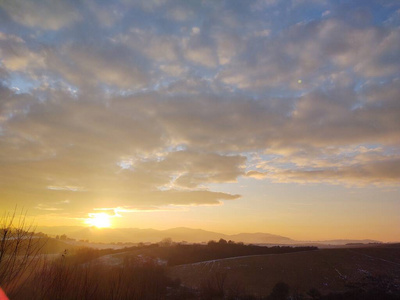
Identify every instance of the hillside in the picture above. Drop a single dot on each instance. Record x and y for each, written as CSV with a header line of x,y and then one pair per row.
x,y
327,269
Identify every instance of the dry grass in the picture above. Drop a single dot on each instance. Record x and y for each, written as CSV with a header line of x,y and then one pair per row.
x,y
71,278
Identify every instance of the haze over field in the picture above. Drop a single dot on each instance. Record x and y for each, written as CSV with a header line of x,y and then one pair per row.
x,y
231,116
179,235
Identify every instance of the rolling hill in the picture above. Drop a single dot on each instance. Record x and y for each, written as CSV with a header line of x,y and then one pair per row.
x,y
179,234
327,269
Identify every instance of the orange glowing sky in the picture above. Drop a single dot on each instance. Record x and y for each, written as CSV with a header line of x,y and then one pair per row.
x,y
232,116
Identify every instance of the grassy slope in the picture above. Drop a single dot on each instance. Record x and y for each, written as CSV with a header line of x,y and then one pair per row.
x,y
327,269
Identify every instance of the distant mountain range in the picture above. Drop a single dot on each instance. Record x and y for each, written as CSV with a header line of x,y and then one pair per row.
x,y
180,234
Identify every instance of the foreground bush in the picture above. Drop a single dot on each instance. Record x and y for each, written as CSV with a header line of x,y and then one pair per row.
x,y
64,278
19,248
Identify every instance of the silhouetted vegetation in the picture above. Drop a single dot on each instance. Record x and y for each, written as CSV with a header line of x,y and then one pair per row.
x,y
280,291
69,278
19,247
141,272
185,254
87,274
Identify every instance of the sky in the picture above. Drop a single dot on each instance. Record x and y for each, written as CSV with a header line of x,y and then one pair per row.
x,y
278,116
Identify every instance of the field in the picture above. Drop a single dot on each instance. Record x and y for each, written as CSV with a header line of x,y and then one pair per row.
x,y
217,270
327,270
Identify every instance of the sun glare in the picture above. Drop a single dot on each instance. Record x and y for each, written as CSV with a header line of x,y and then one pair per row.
x,y
100,220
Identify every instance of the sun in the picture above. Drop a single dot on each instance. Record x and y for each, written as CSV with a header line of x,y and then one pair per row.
x,y
99,220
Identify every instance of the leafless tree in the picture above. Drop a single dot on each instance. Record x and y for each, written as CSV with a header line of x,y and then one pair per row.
x,y
19,247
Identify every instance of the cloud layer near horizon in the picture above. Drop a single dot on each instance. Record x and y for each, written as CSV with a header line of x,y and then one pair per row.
x,y
142,105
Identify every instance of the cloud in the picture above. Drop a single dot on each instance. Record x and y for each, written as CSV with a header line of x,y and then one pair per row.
x,y
150,104
198,50
87,65
155,47
179,14
383,173
107,15
228,46
16,55
256,175
194,169
73,149
305,49
43,14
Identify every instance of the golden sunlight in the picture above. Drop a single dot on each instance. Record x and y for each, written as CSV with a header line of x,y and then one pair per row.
x,y
99,220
